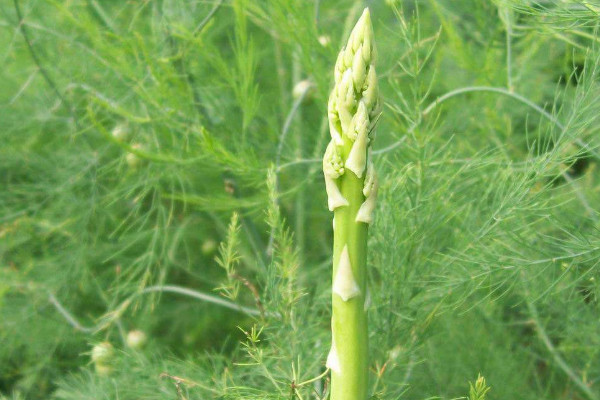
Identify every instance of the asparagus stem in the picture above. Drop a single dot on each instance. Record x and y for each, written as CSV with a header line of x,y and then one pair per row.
x,y
351,184
349,322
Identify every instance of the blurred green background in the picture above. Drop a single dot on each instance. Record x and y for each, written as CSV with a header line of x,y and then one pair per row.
x,y
151,147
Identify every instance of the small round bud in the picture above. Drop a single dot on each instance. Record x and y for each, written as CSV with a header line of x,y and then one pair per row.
x,y
103,353
208,247
394,353
324,40
229,186
103,370
133,160
302,88
120,132
136,339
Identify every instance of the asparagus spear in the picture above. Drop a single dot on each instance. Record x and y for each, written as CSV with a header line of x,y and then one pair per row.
x,y
351,183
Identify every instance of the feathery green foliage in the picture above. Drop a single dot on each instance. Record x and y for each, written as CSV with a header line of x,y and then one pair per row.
x,y
479,389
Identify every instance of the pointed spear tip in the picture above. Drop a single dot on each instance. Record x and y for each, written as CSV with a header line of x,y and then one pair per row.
x,y
365,18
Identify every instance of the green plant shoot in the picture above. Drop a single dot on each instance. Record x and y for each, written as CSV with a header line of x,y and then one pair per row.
x,y
354,108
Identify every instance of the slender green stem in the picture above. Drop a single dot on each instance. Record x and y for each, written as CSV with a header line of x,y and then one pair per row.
x,y
515,96
151,289
204,297
508,24
68,316
101,15
23,29
562,364
316,378
349,318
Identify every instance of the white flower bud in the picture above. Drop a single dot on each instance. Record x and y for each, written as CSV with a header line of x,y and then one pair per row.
x,y
120,132
136,339
301,89
324,40
103,353
132,159
209,247
102,356
395,352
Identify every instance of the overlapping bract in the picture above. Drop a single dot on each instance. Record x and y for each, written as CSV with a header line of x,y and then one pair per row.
x,y
353,110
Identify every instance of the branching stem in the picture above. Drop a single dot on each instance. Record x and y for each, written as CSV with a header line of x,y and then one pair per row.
x,y
562,364
516,96
165,288
204,297
69,317
23,29
316,378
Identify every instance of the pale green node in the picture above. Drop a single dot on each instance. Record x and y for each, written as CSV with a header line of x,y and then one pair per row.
x,y
367,208
344,284
333,360
335,198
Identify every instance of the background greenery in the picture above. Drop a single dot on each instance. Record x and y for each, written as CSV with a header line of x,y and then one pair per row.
x,y
136,136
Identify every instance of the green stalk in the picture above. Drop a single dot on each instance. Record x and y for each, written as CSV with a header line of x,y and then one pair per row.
x,y
351,184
